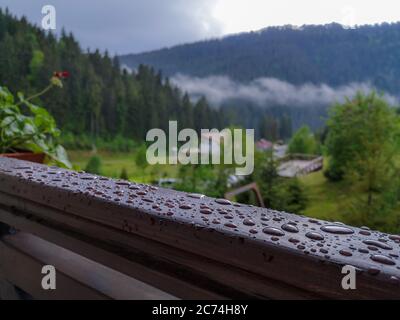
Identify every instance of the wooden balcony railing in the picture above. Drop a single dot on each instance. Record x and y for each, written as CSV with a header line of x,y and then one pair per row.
x,y
120,240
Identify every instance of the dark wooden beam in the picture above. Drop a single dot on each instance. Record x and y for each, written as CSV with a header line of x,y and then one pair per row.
x,y
77,277
193,246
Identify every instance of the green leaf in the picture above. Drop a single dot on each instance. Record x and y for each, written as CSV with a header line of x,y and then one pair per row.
x,y
35,132
61,157
6,96
20,96
6,121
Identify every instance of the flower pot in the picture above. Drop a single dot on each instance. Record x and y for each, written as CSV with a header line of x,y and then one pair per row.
x,y
27,156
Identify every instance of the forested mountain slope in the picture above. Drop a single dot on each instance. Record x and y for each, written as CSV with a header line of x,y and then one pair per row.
x,y
327,54
98,99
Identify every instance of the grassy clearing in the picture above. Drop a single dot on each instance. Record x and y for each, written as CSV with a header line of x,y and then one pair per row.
x,y
332,201
326,199
113,163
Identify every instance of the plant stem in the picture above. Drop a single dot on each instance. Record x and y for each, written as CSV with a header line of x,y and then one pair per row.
x,y
37,94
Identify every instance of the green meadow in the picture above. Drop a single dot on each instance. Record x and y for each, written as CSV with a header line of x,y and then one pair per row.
x,y
114,162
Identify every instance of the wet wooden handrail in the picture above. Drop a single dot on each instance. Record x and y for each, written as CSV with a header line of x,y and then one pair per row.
x,y
190,246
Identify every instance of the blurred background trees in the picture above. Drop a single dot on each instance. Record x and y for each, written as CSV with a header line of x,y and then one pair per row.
x,y
363,145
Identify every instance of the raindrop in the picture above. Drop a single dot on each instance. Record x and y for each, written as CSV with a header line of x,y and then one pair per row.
x,y
314,236
345,253
57,172
223,201
382,259
249,222
195,195
394,238
273,231
378,244
336,229
122,183
290,228
83,177
23,168
206,211
394,280
185,206
230,225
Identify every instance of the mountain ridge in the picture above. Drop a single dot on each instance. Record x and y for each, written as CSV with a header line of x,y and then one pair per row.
x,y
315,54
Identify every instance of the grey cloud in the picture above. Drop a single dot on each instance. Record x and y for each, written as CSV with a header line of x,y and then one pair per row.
x,y
127,26
268,91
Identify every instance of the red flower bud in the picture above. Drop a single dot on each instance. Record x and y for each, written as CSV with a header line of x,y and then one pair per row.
x,y
61,74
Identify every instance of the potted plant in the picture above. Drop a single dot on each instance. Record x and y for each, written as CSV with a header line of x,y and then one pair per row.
x,y
29,132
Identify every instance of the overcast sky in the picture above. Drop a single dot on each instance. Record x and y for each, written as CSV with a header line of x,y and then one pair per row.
x,y
129,26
